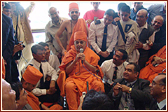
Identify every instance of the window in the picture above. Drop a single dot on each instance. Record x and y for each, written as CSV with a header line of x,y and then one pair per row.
x,y
39,16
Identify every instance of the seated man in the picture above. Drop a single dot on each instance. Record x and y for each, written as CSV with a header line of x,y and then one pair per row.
x,y
46,89
156,64
81,65
114,68
130,92
29,80
21,97
95,101
51,59
158,91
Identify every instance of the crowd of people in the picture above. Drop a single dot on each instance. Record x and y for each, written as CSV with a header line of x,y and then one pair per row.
x,y
106,60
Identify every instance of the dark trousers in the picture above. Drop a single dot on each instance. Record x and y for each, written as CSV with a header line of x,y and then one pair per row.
x,y
50,98
102,59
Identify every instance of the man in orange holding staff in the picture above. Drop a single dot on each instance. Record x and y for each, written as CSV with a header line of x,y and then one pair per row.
x,y
80,64
71,26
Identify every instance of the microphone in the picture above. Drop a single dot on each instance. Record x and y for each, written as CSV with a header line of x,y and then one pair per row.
x,y
81,51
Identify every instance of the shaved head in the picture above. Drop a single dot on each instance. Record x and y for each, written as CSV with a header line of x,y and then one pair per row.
x,y
157,22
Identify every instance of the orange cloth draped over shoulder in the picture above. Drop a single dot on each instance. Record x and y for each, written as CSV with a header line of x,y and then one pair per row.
x,y
80,75
33,101
79,26
3,69
149,72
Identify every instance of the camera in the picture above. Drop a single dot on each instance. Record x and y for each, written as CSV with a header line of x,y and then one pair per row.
x,y
22,43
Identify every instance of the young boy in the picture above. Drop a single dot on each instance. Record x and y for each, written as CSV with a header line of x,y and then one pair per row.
x,y
127,34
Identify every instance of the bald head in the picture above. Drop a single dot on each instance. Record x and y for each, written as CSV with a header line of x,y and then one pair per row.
x,y
157,22
141,17
54,15
52,8
158,87
8,96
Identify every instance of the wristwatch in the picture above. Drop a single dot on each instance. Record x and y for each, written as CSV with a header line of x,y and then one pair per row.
x,y
130,89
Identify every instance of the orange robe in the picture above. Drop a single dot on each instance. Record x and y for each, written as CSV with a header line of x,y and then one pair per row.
x,y
79,26
3,69
33,101
76,83
149,72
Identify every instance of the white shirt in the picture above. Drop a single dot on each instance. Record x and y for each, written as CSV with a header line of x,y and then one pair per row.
x,y
97,31
108,68
47,70
151,38
54,62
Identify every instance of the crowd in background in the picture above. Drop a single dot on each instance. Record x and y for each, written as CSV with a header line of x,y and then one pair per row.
x,y
117,58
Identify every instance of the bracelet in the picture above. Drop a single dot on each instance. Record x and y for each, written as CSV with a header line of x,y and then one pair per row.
x,y
130,89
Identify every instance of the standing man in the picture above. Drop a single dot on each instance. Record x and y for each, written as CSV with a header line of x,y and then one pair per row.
x,y
160,35
114,68
157,9
8,43
103,36
50,31
127,34
137,6
6,9
145,34
158,91
130,92
94,14
71,27
17,51
23,32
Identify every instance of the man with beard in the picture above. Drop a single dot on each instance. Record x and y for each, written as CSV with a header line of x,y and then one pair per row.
x,y
50,31
130,92
158,91
114,68
71,26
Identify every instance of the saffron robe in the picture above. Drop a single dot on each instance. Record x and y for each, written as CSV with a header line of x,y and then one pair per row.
x,y
149,72
79,26
80,75
33,101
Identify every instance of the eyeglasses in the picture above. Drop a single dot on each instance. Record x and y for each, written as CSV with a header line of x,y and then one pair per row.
x,y
77,42
72,12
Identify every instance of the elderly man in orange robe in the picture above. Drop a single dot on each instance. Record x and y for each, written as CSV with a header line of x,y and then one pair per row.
x,y
71,26
29,80
80,64
155,65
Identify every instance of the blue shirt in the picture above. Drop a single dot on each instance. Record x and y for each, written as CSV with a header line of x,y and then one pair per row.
x,y
133,14
154,10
